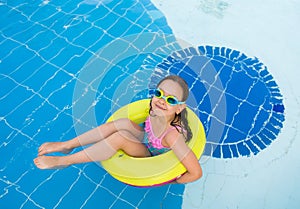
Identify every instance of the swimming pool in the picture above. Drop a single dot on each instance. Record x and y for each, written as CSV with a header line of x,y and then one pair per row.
x,y
65,67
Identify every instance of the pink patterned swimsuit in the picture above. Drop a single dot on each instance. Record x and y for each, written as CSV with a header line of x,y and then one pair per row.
x,y
153,143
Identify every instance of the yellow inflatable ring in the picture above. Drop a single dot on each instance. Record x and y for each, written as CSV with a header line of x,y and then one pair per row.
x,y
156,170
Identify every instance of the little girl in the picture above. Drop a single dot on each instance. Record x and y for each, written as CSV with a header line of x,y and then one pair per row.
x,y
166,128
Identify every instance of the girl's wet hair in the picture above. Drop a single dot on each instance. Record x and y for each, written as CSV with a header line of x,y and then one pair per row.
x,y
181,118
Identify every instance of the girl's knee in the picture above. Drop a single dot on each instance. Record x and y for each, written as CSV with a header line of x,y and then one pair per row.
x,y
126,124
122,123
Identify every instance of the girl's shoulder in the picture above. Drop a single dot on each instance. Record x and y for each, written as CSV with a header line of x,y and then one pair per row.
x,y
172,137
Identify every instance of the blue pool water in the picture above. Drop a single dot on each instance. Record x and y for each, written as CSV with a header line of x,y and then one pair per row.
x,y
47,50
238,100
65,67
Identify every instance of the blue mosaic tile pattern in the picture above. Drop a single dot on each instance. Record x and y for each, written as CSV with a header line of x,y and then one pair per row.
x,y
236,97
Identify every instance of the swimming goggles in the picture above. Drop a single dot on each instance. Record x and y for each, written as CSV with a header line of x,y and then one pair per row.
x,y
171,100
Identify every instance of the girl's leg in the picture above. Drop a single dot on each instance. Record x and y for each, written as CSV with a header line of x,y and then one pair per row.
x,y
93,136
99,151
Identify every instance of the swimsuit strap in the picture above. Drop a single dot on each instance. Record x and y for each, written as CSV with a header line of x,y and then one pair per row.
x,y
166,132
149,129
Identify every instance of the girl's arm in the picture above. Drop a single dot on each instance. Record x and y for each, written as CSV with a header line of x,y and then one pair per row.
x,y
186,156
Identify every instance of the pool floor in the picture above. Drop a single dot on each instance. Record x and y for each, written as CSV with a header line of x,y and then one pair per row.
x,y
65,67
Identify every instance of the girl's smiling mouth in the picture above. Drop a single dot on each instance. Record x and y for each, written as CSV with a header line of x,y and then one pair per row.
x,y
160,107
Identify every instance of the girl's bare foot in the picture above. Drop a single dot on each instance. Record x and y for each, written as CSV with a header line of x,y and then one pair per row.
x,y
50,147
49,162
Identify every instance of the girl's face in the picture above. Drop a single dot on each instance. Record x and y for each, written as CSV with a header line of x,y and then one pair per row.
x,y
160,106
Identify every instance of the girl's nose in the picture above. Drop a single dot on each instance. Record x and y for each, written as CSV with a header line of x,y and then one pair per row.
x,y
162,101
